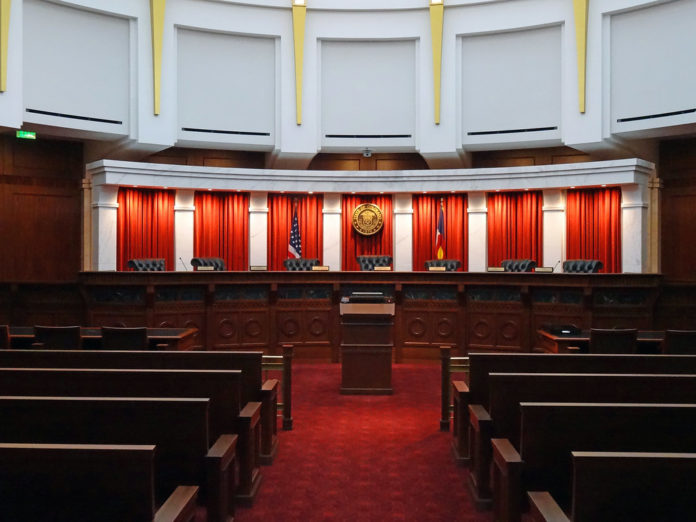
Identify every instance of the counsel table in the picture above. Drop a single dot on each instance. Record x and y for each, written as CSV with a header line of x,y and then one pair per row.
x,y
648,341
173,338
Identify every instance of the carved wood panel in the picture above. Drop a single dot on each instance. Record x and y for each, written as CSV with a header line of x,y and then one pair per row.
x,y
239,329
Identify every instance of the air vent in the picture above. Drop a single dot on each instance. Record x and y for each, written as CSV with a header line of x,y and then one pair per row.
x,y
510,131
218,131
661,115
75,117
371,136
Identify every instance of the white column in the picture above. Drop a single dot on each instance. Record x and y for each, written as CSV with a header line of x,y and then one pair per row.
x,y
634,228
554,225
104,227
258,229
332,231
403,232
478,231
183,229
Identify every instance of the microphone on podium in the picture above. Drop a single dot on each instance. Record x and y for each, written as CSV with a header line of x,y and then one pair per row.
x,y
554,266
182,262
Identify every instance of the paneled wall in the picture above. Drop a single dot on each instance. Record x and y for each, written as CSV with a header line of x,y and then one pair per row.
x,y
208,158
402,161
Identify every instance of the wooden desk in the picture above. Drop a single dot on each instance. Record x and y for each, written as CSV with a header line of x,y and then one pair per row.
x,y
177,339
648,341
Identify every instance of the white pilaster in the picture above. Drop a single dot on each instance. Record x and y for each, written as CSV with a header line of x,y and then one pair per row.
x,y
478,231
554,225
183,229
634,228
104,227
403,232
332,231
258,229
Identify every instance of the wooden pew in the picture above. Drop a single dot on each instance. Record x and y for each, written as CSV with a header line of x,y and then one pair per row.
x,y
253,387
69,482
550,431
623,487
507,390
222,387
481,364
178,427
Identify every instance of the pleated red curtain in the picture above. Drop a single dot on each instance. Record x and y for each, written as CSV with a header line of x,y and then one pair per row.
x,y
515,226
593,226
221,227
309,219
354,244
145,226
426,208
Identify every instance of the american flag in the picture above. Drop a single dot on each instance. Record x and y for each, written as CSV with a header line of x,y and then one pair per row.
x,y
440,233
295,244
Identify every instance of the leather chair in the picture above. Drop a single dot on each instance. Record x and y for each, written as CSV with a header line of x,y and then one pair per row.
x,y
518,265
123,338
368,263
147,265
4,337
57,338
450,265
294,264
679,342
217,263
613,340
582,266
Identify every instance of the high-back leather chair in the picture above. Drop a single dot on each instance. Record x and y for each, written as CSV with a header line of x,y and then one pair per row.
x,y
450,265
147,265
4,337
300,263
368,263
518,265
217,263
124,338
613,340
57,337
582,266
679,342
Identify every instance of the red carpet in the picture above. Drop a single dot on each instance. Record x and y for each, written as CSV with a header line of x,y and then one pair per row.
x,y
364,458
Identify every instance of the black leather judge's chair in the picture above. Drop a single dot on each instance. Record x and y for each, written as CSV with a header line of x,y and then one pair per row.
x,y
368,263
294,264
124,338
147,265
450,265
57,338
217,263
518,265
582,266
679,342
615,340
4,337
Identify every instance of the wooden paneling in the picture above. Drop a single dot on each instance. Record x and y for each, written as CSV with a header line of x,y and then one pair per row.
x,y
375,162
528,157
209,158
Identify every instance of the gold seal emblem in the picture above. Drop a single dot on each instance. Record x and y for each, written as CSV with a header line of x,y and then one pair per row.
x,y
367,219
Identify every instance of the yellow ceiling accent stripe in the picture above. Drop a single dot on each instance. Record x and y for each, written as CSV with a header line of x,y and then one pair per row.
x,y
4,41
437,16
299,14
580,8
157,18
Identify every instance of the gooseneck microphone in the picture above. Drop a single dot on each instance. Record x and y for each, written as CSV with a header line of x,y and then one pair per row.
x,y
182,262
554,266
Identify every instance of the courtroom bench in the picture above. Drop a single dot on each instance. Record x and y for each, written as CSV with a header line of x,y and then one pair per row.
x,y
178,427
551,431
78,483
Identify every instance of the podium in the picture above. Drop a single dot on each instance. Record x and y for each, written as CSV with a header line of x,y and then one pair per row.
x,y
367,339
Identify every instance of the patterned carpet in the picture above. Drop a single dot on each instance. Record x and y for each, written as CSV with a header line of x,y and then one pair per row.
x,y
364,458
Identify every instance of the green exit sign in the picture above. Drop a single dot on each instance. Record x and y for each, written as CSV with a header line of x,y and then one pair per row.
x,y
26,135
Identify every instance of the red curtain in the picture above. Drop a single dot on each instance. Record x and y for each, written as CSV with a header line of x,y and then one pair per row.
x,y
221,227
310,220
145,225
354,244
515,226
593,226
426,209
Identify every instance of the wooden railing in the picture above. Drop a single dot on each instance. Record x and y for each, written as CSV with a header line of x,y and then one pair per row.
x,y
449,365
283,363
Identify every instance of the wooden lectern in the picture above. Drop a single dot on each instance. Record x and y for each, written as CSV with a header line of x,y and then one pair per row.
x,y
367,339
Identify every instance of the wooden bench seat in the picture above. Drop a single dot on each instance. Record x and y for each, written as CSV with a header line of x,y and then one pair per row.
x,y
507,390
178,427
625,487
551,431
81,483
227,415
